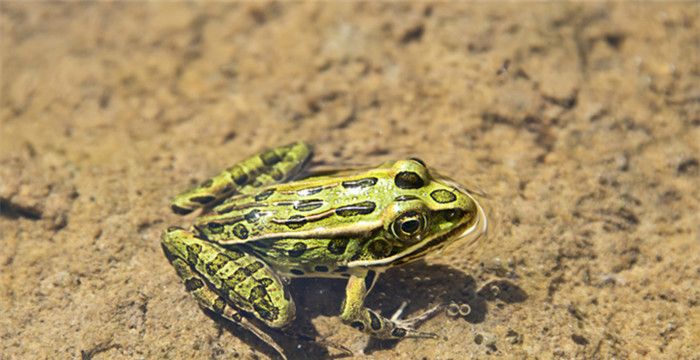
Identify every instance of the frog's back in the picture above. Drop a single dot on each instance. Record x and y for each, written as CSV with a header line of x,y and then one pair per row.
x,y
314,208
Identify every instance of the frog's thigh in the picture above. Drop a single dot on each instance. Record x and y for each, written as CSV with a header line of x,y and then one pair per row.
x,y
275,165
239,279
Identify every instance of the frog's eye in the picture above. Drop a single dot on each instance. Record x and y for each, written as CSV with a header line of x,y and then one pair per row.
x,y
408,225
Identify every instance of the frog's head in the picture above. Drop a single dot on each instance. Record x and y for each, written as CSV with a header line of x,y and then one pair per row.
x,y
429,212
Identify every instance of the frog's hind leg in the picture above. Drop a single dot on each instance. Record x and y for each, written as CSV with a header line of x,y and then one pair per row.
x,y
255,292
272,166
209,299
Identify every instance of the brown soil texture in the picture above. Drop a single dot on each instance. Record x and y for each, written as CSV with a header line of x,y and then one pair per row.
x,y
580,123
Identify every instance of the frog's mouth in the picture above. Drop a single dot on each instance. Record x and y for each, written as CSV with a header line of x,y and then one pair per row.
x,y
472,231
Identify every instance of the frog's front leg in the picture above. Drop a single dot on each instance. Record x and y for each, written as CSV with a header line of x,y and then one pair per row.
x,y
355,314
269,167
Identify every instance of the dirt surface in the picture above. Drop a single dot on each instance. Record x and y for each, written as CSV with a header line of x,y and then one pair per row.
x,y
580,123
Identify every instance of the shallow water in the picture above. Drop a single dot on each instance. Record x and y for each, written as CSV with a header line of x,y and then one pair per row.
x,y
577,121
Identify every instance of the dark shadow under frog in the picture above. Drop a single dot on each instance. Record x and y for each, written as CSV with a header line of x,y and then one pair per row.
x,y
419,284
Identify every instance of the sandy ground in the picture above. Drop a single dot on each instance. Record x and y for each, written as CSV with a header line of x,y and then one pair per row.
x,y
580,123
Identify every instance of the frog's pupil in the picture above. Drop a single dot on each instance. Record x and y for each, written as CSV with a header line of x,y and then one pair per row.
x,y
410,226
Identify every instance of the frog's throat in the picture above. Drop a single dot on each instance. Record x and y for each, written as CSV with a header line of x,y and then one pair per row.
x,y
472,233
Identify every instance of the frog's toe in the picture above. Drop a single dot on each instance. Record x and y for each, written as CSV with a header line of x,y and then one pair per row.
x,y
406,327
417,319
420,334
399,311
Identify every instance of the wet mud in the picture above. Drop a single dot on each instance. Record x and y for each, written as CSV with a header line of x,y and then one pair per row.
x,y
580,123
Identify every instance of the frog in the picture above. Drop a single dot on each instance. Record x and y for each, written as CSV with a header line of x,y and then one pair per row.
x,y
269,218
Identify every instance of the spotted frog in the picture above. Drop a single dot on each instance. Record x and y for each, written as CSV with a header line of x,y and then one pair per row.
x,y
267,219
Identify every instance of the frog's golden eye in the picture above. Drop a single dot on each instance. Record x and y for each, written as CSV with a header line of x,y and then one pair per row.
x,y
408,225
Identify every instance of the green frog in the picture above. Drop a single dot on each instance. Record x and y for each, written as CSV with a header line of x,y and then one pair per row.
x,y
267,219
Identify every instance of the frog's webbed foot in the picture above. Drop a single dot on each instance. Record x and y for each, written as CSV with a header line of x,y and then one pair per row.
x,y
409,325
356,315
262,335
